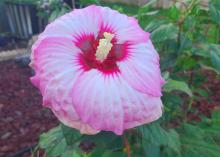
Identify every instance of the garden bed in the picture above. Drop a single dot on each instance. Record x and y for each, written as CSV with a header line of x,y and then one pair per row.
x,y
206,105
22,118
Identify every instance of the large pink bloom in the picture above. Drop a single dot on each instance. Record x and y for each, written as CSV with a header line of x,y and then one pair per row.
x,y
98,70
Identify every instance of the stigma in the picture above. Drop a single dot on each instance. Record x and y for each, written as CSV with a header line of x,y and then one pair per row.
x,y
104,47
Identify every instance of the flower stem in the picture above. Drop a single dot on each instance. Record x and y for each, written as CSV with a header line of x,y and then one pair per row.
x,y
181,21
127,146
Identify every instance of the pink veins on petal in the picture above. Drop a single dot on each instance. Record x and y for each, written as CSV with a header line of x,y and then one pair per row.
x,y
98,70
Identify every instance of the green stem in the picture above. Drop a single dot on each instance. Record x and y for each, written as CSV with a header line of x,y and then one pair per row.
x,y
127,146
217,34
183,18
191,75
179,35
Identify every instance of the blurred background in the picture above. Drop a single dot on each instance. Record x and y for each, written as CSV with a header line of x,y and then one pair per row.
x,y
186,34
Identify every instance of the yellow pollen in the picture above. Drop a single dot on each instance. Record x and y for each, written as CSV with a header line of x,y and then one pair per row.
x,y
104,47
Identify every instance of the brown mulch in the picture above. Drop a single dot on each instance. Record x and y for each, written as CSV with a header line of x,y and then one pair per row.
x,y
22,118
213,85
205,106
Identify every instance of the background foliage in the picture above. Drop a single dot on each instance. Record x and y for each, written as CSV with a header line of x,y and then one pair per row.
x,y
52,9
186,36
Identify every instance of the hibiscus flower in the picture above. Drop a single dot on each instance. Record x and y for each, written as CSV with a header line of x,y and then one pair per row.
x,y
98,70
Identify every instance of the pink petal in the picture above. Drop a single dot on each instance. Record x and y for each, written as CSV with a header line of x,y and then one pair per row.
x,y
107,102
125,28
57,97
53,56
56,72
75,23
147,110
142,70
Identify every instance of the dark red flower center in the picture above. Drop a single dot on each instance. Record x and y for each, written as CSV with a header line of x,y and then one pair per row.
x,y
88,45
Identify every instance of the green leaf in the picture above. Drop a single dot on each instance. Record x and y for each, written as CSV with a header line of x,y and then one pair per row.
x,y
166,75
195,142
172,85
53,15
114,154
97,152
154,134
105,140
58,148
194,148
53,142
149,3
164,32
145,8
202,92
100,152
214,7
216,117
150,150
51,136
88,2
215,56
154,24
201,50
171,104
71,135
70,153
186,62
174,13
212,126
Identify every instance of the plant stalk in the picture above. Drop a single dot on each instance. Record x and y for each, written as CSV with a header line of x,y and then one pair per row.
x,y
127,146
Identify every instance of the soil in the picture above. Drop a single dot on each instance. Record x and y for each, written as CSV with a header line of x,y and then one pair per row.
x,y
205,106
22,118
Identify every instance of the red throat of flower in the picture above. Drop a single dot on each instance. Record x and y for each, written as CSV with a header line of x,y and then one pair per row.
x,y
101,53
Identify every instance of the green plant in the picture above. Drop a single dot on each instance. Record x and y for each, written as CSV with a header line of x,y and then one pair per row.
x,y
186,36
52,9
